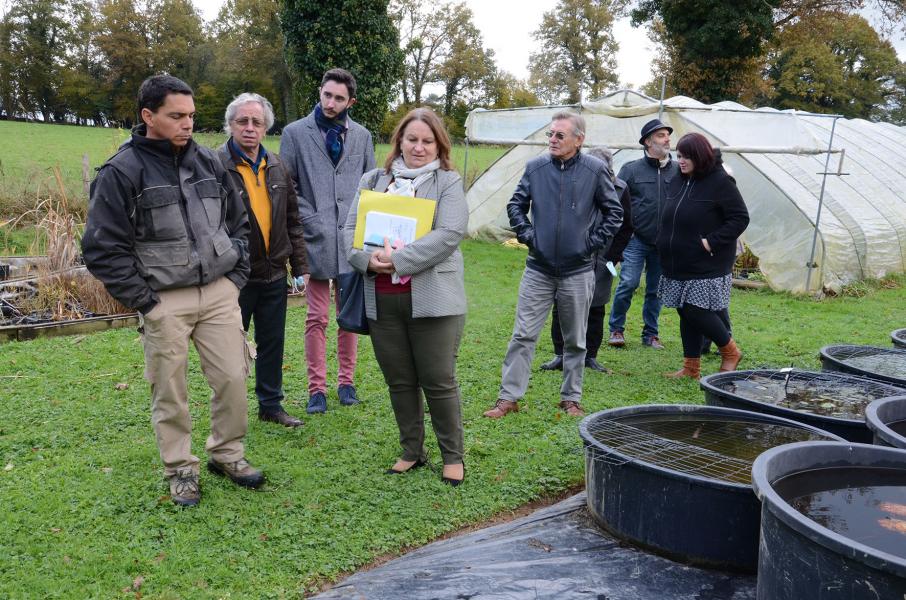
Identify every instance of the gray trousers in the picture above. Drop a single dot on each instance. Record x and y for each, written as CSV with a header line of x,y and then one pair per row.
x,y
537,293
415,356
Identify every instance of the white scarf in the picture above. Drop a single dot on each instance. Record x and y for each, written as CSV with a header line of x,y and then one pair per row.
x,y
406,180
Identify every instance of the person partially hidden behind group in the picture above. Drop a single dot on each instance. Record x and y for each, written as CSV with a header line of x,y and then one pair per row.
x,y
415,296
703,217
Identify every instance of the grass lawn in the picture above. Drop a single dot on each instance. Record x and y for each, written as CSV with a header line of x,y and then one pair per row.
x,y
85,510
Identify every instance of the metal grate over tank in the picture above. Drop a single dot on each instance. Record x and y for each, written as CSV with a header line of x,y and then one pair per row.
x,y
883,364
898,337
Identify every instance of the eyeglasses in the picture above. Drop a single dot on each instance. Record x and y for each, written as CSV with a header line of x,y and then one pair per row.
x,y
559,135
243,121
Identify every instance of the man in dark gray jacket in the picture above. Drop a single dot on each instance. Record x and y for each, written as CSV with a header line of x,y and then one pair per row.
x,y
574,213
166,234
647,178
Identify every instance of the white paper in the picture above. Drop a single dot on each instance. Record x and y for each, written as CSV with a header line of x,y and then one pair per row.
x,y
379,225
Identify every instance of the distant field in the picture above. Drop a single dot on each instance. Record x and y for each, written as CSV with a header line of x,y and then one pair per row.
x,y
27,171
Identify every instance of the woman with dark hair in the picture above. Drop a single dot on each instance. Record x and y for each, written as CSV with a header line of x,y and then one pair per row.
x,y
415,296
700,222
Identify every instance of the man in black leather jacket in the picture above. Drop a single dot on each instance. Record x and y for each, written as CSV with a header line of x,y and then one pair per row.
x,y
564,209
167,235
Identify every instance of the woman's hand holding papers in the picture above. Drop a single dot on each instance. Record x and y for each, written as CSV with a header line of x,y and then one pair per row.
x,y
380,261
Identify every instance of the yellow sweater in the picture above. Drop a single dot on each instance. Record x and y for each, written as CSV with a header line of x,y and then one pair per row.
x,y
259,199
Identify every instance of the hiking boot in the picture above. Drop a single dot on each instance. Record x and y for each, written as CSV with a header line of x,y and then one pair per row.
x,y
347,395
317,404
653,342
501,408
554,364
692,367
279,416
572,408
240,472
184,490
592,363
616,339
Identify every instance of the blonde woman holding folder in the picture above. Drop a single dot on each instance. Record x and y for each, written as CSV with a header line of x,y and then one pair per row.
x,y
415,297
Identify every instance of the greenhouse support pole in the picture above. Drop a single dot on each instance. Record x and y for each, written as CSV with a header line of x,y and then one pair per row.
x,y
465,167
660,110
811,261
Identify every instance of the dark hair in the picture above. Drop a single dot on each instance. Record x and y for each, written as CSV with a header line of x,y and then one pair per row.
x,y
154,91
697,148
340,76
429,118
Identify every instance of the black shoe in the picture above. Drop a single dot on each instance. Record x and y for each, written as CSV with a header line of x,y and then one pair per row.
x,y
554,364
280,417
593,364
455,482
418,464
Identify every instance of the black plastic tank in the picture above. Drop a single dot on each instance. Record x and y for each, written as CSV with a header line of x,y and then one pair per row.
x,y
898,337
831,522
883,364
887,420
834,402
676,479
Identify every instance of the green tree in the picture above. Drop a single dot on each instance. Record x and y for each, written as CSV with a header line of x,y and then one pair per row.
x,y
834,63
38,31
82,73
578,50
248,55
712,50
175,39
467,64
357,35
504,90
124,41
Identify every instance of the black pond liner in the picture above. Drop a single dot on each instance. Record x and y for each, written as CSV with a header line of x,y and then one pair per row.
x,y
898,337
800,559
881,414
852,429
883,364
694,519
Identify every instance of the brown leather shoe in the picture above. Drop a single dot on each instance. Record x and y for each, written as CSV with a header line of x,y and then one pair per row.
x,y
239,472
572,408
653,342
616,340
692,367
730,355
280,417
501,408
184,490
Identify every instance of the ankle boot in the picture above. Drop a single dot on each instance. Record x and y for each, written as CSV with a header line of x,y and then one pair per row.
x,y
692,367
730,355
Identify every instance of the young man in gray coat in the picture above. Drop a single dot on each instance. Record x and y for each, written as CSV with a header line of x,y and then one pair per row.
x,y
574,213
327,153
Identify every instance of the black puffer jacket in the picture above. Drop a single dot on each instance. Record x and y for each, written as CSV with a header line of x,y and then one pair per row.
x,y
706,206
286,239
574,213
160,220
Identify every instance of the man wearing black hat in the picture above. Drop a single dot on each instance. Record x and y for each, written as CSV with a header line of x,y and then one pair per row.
x,y
647,179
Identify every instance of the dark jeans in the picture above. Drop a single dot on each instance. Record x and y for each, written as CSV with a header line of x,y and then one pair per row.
x,y
637,256
266,302
699,323
419,356
594,335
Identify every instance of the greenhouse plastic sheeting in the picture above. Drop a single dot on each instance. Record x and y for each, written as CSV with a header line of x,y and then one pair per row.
x,y
862,229
556,552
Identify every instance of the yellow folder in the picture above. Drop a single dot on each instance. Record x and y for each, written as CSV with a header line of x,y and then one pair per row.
x,y
420,209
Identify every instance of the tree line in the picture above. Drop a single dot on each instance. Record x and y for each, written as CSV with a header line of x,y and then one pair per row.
x,y
81,61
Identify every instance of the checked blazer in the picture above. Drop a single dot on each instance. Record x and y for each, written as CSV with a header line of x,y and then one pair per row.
x,y
434,260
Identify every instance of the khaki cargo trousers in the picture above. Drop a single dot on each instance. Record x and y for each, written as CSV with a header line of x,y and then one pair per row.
x,y
210,316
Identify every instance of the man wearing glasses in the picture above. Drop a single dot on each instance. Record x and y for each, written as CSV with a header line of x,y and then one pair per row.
x,y
270,200
564,209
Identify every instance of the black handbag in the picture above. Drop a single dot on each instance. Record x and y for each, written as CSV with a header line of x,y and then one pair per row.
x,y
351,315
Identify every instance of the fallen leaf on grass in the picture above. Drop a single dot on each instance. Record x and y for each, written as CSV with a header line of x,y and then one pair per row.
x,y
160,558
263,537
137,583
107,470
8,467
122,386
55,530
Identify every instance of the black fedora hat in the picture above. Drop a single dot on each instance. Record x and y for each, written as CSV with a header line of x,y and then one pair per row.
x,y
652,126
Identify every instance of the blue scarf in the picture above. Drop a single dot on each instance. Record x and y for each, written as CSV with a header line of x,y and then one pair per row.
x,y
334,129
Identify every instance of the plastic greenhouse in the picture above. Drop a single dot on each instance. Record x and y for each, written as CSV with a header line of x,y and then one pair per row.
x,y
794,170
